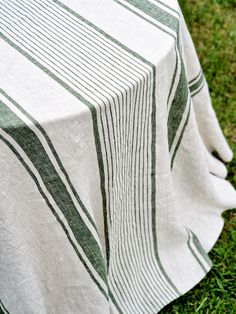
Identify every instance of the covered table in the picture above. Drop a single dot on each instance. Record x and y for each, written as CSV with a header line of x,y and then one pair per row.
x,y
110,194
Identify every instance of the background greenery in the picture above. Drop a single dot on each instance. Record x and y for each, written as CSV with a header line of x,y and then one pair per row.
x,y
213,28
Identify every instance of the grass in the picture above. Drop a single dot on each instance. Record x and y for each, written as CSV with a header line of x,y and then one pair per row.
x,y
213,28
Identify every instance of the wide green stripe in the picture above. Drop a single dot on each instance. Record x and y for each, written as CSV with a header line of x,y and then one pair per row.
x,y
42,130
53,211
181,135
178,106
156,13
35,151
167,6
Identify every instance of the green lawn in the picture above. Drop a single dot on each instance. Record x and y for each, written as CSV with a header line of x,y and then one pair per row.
x,y
213,28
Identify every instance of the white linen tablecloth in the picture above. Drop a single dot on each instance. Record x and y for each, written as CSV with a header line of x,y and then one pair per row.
x,y
110,196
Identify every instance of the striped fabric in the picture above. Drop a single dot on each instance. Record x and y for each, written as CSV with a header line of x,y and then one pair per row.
x,y
110,196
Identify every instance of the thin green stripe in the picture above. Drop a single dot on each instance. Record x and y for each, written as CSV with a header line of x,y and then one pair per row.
x,y
197,84
114,301
3,308
165,291
153,190
35,151
134,146
194,254
141,182
174,77
103,33
195,78
200,248
53,211
198,91
122,73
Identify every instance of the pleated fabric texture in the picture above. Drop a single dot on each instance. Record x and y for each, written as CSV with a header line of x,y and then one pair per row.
x,y
110,194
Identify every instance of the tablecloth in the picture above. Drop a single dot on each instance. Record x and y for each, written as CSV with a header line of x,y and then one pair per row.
x,y
110,193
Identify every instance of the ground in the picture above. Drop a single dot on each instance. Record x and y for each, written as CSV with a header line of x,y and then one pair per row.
x,y
213,28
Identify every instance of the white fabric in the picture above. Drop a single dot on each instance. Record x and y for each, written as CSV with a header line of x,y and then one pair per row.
x,y
110,195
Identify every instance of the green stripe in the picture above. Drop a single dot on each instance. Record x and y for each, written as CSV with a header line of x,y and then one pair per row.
x,y
153,189
3,308
200,248
144,18
35,151
52,210
174,76
114,302
177,107
194,254
156,13
167,6
198,91
181,135
196,84
42,130
195,78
